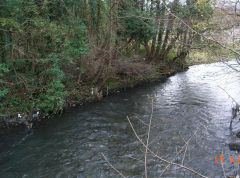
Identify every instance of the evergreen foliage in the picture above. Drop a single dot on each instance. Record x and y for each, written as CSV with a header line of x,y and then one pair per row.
x,y
51,49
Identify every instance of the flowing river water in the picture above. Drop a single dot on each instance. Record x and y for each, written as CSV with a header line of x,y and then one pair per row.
x,y
72,145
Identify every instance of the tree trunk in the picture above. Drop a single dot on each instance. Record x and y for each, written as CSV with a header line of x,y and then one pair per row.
x,y
170,46
98,19
161,27
147,49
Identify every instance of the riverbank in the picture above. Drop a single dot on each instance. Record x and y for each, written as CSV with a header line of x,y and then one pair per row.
x,y
136,73
72,144
196,57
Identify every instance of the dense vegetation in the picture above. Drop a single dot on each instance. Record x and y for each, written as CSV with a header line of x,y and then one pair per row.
x,y
56,52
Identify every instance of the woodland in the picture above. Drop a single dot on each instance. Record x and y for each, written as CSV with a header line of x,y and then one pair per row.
x,y
56,53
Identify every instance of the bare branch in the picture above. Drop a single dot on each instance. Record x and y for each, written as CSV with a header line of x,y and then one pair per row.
x,y
185,145
207,38
148,136
112,166
160,158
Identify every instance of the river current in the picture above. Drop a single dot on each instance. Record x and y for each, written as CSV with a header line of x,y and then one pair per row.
x,y
72,144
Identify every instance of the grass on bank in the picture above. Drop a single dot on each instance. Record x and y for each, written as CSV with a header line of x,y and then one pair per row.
x,y
201,57
207,56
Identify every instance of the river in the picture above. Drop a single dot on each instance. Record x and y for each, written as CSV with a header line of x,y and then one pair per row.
x,y
72,145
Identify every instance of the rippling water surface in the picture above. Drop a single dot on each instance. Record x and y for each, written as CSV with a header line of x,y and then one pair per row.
x,y
71,146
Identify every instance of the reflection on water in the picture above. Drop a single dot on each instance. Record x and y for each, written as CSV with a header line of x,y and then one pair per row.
x,y
71,146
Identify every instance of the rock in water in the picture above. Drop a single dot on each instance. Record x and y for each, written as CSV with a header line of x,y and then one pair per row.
x,y
234,146
238,134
